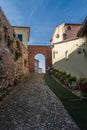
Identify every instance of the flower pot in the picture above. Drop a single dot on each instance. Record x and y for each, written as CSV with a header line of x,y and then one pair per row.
x,y
83,87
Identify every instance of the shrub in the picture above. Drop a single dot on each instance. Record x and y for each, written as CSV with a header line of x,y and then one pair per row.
x,y
10,42
18,45
14,35
72,79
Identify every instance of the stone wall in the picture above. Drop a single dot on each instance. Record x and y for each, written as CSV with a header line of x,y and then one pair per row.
x,y
13,54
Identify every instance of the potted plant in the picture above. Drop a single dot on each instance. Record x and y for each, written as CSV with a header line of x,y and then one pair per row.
x,y
83,85
72,82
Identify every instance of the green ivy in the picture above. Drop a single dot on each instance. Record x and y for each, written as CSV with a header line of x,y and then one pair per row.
x,y
17,55
10,42
25,62
5,29
14,35
0,39
5,36
18,45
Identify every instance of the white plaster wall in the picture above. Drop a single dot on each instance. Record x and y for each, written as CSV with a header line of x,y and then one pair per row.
x,y
76,64
59,30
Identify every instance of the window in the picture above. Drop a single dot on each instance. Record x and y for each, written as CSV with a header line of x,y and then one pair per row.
x,y
57,35
20,37
64,36
53,55
69,28
54,52
66,55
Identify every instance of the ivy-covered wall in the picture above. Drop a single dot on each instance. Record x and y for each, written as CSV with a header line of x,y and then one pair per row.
x,y
13,54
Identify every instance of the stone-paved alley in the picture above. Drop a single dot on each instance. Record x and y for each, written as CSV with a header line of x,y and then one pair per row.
x,y
33,106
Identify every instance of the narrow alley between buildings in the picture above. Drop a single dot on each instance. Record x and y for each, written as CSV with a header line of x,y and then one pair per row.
x,y
33,106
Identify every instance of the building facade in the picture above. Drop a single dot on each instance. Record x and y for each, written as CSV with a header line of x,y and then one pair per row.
x,y
23,34
70,55
64,32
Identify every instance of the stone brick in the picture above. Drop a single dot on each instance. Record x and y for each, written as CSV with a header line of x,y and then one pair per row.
x,y
45,50
10,69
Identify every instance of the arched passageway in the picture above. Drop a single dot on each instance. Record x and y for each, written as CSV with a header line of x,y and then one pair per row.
x,y
44,50
39,63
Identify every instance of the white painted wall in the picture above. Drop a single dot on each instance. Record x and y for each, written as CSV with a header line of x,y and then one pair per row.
x,y
58,30
76,64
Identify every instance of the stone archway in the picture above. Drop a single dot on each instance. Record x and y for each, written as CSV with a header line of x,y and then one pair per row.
x,y
45,50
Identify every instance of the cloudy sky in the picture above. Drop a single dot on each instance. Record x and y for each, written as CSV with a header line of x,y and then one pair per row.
x,y
42,16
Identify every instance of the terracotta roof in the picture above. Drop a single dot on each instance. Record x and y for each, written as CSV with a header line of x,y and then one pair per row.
x,y
77,24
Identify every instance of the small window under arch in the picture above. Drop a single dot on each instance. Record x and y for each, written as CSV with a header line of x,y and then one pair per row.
x,y
69,28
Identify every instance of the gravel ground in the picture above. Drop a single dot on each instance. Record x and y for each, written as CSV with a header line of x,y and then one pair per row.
x,y
33,106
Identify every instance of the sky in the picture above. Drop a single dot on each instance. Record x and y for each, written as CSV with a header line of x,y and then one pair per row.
x,y
42,16
42,63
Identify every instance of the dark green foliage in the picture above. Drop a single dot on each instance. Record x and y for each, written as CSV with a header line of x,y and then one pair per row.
x,y
18,45
0,39
10,42
6,37
25,62
0,58
14,35
72,79
17,55
63,76
5,29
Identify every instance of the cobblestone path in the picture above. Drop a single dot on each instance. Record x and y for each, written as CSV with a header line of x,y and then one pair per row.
x,y
33,106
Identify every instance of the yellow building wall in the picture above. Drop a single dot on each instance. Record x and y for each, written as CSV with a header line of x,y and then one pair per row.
x,y
25,34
